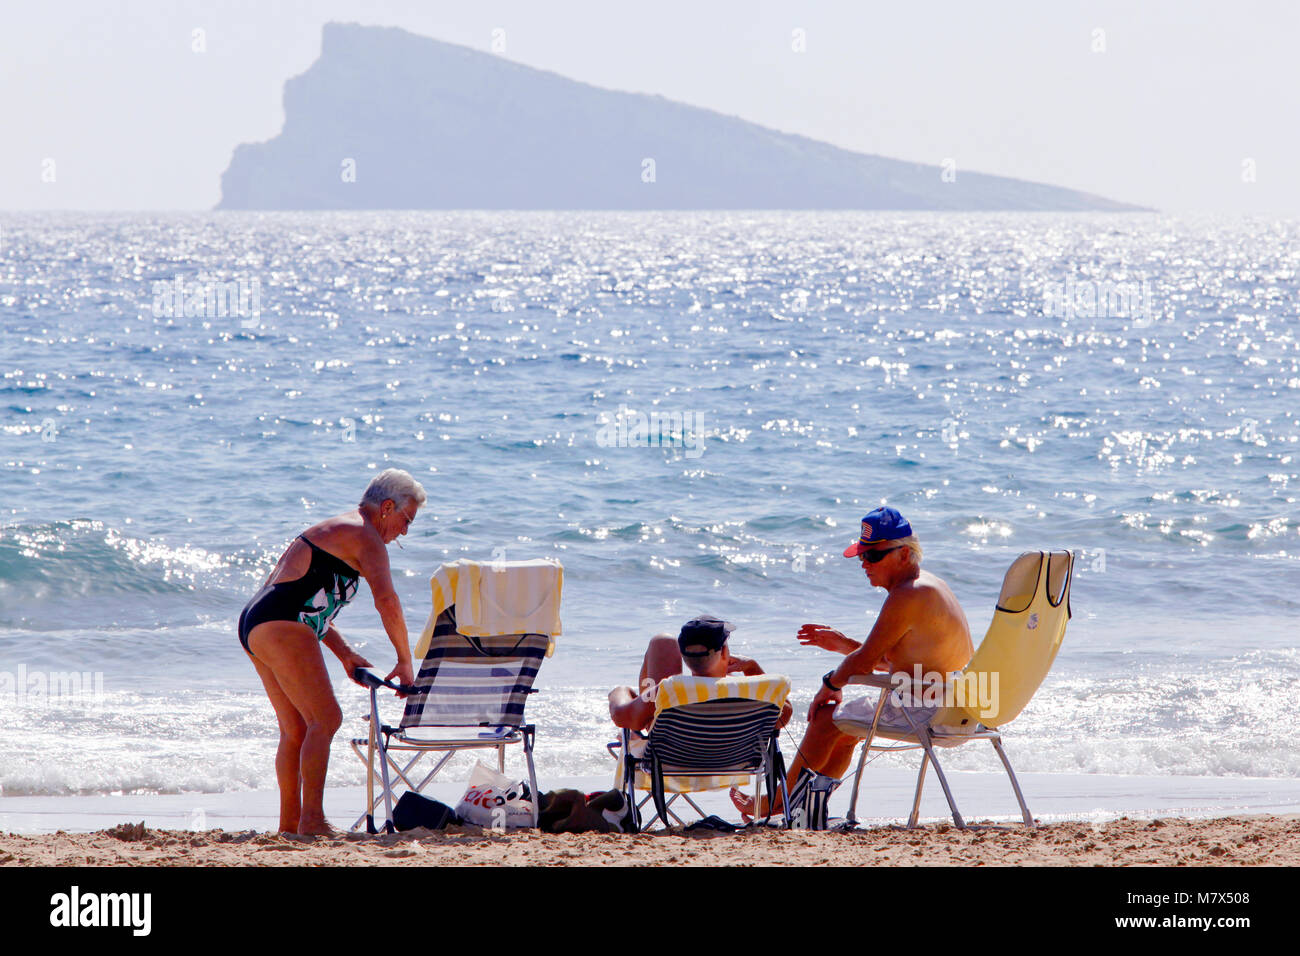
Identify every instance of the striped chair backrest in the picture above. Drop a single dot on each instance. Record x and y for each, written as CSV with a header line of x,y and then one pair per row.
x,y
469,681
723,736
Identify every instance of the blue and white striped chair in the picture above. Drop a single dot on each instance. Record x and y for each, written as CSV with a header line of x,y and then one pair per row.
x,y
472,696
707,735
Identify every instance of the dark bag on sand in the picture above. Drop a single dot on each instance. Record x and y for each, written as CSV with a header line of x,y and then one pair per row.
x,y
810,800
571,811
416,810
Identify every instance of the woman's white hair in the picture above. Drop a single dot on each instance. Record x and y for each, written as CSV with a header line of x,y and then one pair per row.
x,y
395,484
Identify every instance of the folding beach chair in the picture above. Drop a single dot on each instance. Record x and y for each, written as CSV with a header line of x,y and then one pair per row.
x,y
1017,651
707,735
472,686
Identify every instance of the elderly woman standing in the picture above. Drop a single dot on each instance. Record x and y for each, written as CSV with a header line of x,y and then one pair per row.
x,y
280,627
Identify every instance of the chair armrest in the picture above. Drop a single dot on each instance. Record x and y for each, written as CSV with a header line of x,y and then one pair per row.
x,y
883,681
367,677
618,748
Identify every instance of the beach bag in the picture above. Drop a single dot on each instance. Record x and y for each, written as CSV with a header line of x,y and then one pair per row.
x,y
494,801
416,810
809,810
571,811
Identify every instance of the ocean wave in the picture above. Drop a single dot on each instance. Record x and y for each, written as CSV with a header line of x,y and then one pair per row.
x,y
182,740
58,560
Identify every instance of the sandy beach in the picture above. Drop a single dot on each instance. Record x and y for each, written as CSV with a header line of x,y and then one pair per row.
x,y
1227,841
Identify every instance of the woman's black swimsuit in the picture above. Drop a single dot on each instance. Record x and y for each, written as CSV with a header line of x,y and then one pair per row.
x,y
312,599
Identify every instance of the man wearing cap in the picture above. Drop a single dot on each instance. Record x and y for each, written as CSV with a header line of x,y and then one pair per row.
x,y
920,625
702,647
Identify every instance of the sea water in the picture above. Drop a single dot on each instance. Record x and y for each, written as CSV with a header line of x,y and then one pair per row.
x,y
692,412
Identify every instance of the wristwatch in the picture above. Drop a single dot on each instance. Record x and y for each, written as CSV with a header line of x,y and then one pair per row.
x,y
826,682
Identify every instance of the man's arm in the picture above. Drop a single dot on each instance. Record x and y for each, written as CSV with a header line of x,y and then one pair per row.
x,y
819,635
743,665
891,626
749,667
631,710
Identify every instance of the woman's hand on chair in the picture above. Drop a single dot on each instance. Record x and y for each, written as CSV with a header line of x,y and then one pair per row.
x,y
403,673
351,660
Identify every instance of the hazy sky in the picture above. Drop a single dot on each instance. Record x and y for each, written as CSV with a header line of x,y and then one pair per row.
x,y
1184,102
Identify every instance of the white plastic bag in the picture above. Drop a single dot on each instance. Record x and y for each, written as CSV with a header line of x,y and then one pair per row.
x,y
496,802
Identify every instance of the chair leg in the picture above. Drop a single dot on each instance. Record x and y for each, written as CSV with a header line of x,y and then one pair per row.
x,y
374,802
669,807
693,804
852,818
943,781
663,821
384,758
369,789
648,823
532,773
662,817
920,785
779,776
376,744
1015,785
628,781
370,765
773,775
369,760
402,771
442,762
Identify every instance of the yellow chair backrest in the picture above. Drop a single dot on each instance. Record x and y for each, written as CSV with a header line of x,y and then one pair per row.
x,y
1021,643
688,689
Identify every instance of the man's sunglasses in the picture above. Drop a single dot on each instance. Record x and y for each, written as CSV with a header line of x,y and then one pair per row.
x,y
874,556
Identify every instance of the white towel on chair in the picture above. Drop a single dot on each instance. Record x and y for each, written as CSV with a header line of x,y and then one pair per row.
x,y
502,597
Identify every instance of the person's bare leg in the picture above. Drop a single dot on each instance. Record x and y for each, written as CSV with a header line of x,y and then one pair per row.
x,y
288,754
291,651
663,659
823,749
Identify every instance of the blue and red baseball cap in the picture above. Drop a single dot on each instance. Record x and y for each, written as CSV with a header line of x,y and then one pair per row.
x,y
883,524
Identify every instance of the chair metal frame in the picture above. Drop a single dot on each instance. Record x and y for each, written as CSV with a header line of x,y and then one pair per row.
x,y
923,737
386,740
767,767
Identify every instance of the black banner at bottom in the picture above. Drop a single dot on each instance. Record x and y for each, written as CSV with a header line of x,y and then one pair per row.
x,y
578,904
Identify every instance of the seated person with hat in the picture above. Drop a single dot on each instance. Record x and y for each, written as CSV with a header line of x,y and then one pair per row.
x,y
702,646
921,628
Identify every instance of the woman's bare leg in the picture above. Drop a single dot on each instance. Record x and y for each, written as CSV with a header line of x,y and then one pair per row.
x,y
287,755
290,651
